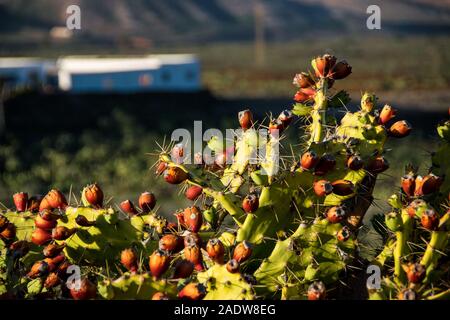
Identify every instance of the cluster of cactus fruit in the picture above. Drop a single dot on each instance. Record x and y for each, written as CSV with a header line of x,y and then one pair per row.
x,y
415,257
280,227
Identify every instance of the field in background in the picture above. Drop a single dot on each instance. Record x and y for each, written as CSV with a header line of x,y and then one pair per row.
x,y
381,63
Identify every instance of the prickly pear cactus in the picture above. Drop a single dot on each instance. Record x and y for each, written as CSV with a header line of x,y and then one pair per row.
x,y
322,194
419,233
319,251
263,223
108,235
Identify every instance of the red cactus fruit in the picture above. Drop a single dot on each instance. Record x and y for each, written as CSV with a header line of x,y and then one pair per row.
x,y
276,126
147,201
377,165
39,269
309,160
193,218
340,70
286,117
171,243
40,237
400,129
191,239
386,114
232,266
52,280
62,269
62,233
129,259
407,294
343,187
20,201
183,269
87,290
160,168
430,219
355,162
323,64
193,254
94,195
428,184
20,248
303,80
408,184
159,263
301,97
44,204
128,207
177,153
325,164
413,206
3,222
55,199
418,186
49,215
34,203
316,291
9,233
82,221
180,218
175,175
250,203
242,251
170,227
52,250
193,192
344,234
304,95
322,188
41,223
54,262
160,296
192,291
415,272
336,214
215,250
245,118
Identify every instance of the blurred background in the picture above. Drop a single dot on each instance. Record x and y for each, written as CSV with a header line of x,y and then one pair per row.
x,y
245,53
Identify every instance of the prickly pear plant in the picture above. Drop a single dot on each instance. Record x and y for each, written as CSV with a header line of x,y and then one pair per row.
x,y
299,214
43,238
263,223
419,232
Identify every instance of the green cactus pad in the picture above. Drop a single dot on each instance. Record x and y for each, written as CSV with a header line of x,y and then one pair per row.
x,y
134,286
223,285
106,239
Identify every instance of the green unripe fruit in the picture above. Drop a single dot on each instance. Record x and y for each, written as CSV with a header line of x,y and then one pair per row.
x,y
394,221
444,130
368,101
210,216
